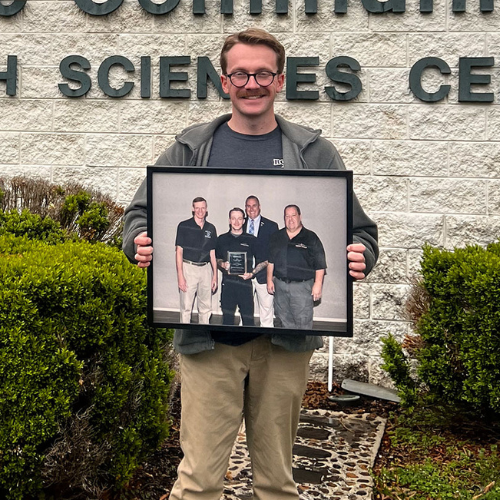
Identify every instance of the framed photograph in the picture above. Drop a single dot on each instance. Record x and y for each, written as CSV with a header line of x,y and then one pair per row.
x,y
280,269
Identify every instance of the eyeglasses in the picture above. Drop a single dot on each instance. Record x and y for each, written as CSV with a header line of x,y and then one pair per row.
x,y
263,78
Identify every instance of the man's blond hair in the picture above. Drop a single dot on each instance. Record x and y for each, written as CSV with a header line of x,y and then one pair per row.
x,y
253,36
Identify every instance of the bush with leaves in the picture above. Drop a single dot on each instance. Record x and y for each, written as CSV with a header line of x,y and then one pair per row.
x,y
85,213
84,381
455,309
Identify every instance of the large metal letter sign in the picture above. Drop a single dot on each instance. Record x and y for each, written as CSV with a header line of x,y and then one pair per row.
x,y
10,76
416,76
159,8
12,9
77,76
103,76
98,9
332,71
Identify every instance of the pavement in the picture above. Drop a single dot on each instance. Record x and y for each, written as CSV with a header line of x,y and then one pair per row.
x,y
333,454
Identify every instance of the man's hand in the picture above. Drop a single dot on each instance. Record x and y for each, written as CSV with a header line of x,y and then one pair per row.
x,y
214,284
356,258
181,283
270,287
144,252
316,291
246,276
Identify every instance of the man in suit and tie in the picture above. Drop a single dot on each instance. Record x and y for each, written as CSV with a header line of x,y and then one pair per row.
x,y
262,229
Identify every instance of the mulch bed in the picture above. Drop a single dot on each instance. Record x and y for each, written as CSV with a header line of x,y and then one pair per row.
x,y
155,478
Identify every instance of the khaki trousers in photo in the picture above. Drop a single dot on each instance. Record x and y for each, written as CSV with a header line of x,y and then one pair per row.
x,y
265,301
199,284
214,394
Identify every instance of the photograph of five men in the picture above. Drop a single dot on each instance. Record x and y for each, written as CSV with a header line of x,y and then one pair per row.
x,y
250,250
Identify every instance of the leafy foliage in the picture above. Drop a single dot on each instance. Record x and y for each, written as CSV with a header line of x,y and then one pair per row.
x,y
81,212
458,328
83,381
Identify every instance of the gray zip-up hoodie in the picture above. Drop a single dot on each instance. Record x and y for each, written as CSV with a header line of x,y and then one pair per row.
x,y
302,148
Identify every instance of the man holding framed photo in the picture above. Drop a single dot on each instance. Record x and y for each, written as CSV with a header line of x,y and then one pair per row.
x,y
265,376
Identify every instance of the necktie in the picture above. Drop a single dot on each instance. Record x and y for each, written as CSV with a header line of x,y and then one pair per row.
x,y
251,227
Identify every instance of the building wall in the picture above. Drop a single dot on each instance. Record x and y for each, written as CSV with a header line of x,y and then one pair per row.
x,y
426,172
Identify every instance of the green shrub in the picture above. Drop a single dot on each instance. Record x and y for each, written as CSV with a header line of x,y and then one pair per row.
x,y
457,319
33,226
83,381
82,212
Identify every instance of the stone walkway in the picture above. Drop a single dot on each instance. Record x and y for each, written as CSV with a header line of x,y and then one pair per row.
x,y
332,457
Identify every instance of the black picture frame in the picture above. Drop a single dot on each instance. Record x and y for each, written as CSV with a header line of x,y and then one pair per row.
x,y
325,198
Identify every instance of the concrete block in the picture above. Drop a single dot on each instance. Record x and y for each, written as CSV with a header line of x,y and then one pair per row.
x,y
102,179
493,119
53,17
268,20
474,20
129,18
181,20
95,48
389,302
403,230
317,117
352,366
355,20
447,195
390,86
33,171
85,115
414,264
368,335
377,375
9,148
30,49
53,149
493,197
161,143
447,46
382,193
135,45
144,117
410,158
464,230
371,49
129,180
391,267
118,150
369,121
11,24
452,123
412,20
356,155
39,83
361,300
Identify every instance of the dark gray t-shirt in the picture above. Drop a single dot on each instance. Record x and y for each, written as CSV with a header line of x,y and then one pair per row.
x,y
233,150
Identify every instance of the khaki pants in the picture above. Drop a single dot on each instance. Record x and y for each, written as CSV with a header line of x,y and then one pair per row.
x,y
265,301
214,395
199,284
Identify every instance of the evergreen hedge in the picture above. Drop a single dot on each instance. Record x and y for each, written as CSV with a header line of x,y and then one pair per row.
x,y
456,313
84,382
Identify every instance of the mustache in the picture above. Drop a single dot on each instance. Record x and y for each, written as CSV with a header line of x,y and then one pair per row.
x,y
251,93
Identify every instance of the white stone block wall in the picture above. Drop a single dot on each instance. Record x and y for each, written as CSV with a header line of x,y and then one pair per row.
x,y
425,172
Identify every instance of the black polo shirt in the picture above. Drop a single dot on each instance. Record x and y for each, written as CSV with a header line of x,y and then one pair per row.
x,y
228,242
195,241
296,259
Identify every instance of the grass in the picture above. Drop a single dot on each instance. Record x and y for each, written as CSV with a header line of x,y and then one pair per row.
x,y
434,455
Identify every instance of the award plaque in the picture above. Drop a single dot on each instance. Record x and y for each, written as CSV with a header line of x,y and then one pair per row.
x,y
237,262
